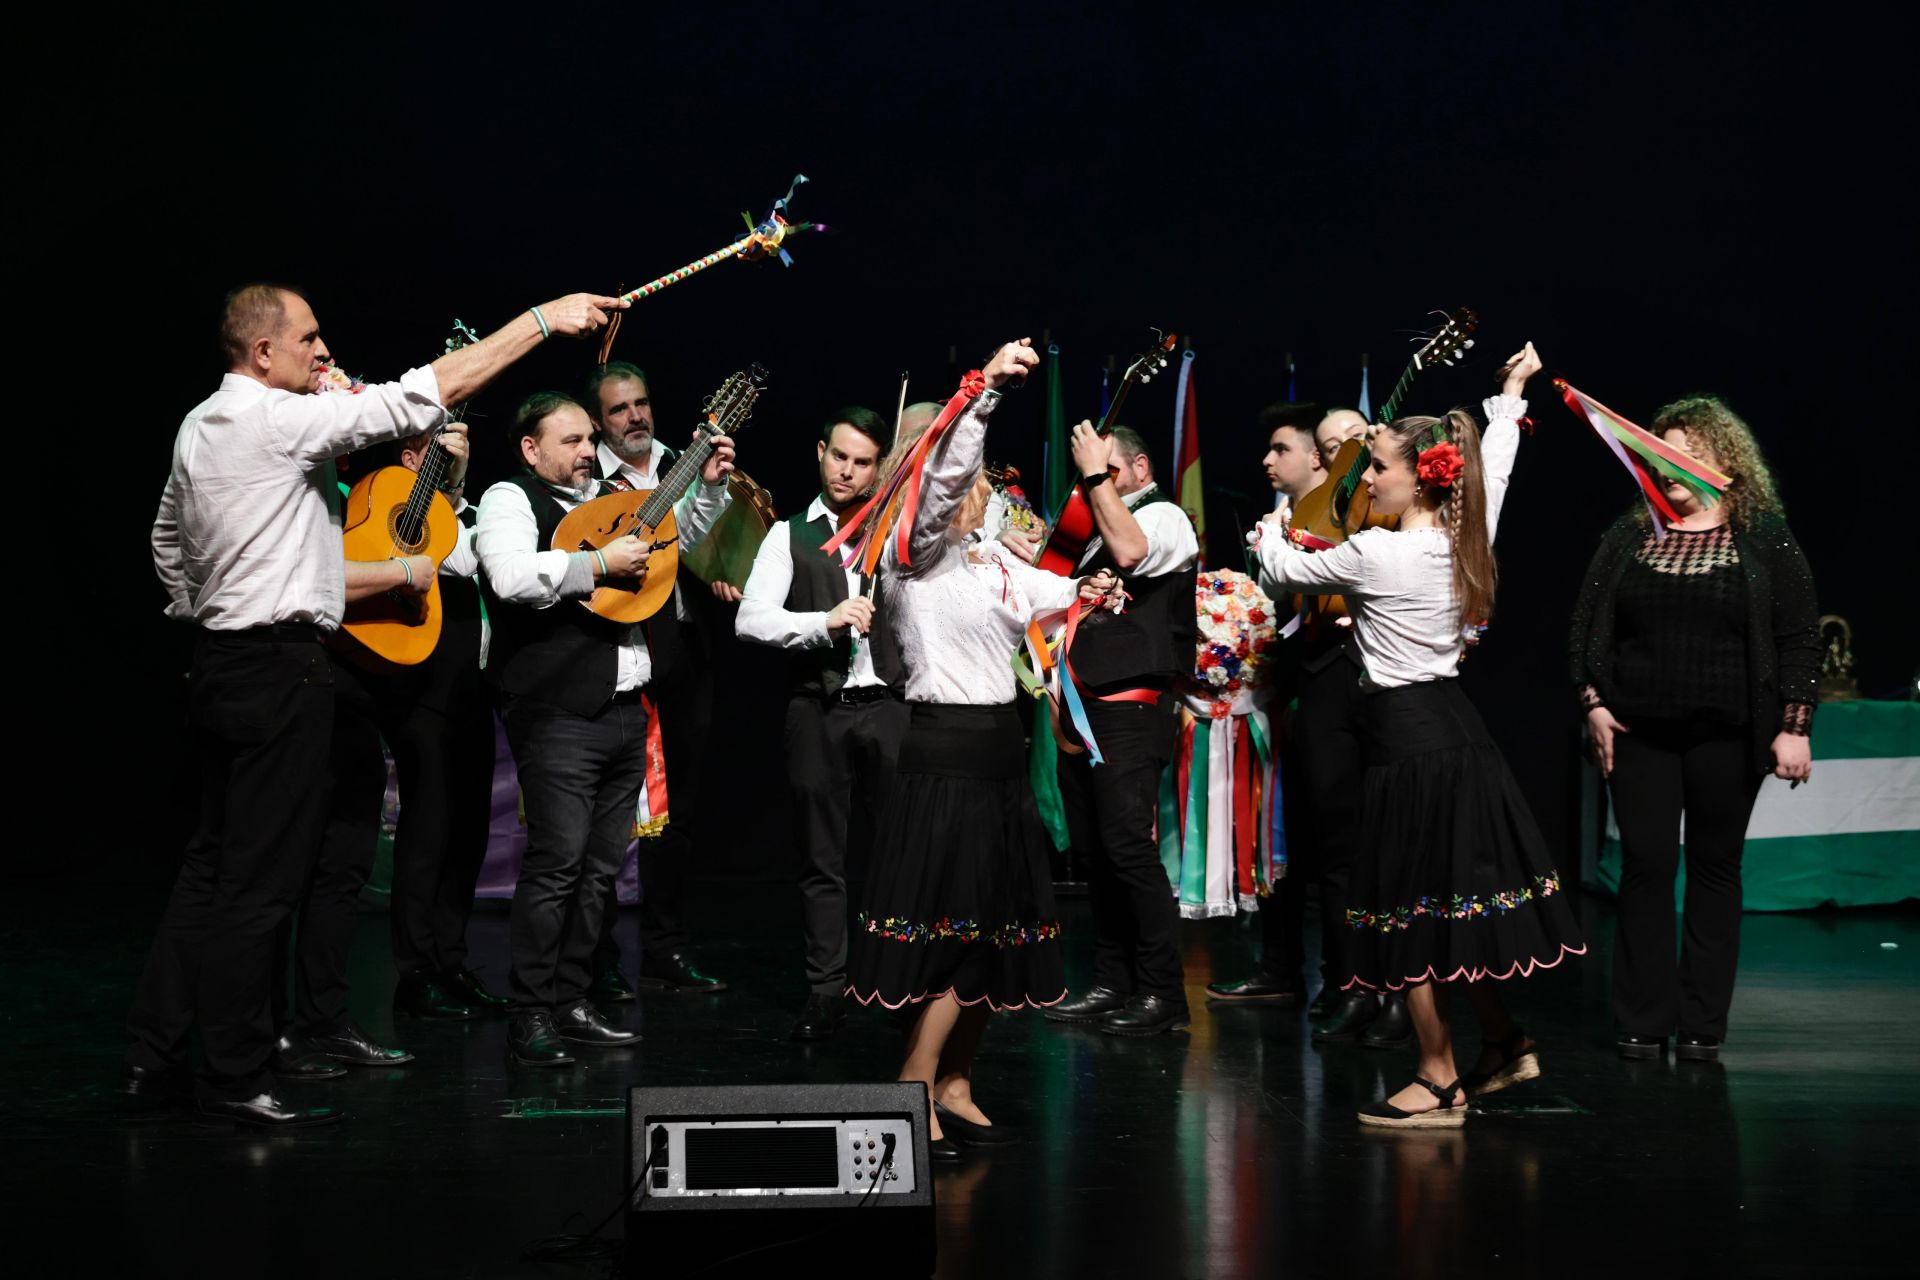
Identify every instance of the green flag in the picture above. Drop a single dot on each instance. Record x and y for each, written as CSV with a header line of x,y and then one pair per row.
x,y
1056,467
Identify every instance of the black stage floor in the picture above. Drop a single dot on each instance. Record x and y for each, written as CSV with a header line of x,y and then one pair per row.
x,y
1226,1152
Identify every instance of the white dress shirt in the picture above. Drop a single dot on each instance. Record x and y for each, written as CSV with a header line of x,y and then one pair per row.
x,y
1171,542
764,617
1399,582
506,538
248,531
960,610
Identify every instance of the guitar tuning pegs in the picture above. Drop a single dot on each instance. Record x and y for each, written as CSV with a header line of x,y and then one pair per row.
x,y
1469,345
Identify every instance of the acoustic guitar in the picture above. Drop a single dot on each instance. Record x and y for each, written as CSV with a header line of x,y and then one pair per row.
x,y
1073,525
648,513
1342,505
396,512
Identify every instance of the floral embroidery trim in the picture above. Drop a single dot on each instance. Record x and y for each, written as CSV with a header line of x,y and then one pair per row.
x,y
948,929
1457,907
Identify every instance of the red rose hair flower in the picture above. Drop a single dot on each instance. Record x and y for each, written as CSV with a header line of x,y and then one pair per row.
x,y
1441,465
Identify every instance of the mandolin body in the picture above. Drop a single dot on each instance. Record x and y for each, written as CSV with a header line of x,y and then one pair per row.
x,y
592,525
398,626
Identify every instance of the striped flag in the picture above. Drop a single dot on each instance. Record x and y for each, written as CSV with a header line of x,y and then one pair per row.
x,y
1187,489
1650,460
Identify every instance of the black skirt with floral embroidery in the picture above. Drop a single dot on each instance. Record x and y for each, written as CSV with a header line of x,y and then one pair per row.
x,y
1452,880
960,891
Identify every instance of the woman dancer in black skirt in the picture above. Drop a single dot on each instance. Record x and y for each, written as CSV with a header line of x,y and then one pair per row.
x,y
959,915
1453,882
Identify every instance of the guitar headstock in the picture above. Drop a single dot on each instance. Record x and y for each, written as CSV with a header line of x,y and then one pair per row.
x,y
1448,342
728,409
462,336
1153,359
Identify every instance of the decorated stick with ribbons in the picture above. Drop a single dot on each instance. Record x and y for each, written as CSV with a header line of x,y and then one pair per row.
x,y
765,238
1647,458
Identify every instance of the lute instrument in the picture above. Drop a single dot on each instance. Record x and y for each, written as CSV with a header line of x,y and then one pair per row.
x,y
1073,525
396,512
648,513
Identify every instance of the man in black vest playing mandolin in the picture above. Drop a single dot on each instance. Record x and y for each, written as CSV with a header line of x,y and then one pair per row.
x,y
1119,660
570,685
630,457
845,716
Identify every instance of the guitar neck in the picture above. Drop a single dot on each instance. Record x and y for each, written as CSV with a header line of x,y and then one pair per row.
x,y
679,478
1112,415
1389,410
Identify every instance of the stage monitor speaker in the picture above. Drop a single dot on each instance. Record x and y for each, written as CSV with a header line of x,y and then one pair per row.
x,y
742,1178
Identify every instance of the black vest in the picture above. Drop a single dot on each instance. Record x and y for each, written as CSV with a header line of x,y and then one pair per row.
x,y
563,654
819,583
452,673
1152,642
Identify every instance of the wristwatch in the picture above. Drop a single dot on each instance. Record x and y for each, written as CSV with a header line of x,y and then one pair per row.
x,y
1089,483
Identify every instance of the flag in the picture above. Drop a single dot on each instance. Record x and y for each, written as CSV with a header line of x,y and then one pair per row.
x,y
1056,466
1647,458
1187,490
1366,399
1293,389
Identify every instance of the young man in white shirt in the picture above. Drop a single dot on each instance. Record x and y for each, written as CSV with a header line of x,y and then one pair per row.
x,y
570,685
247,544
845,714
1147,540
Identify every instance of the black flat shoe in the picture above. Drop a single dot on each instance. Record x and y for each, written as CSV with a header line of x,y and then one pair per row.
x,y
1641,1048
156,1084
1261,987
581,1023
1518,1063
610,986
1146,1016
424,996
961,1129
944,1150
1096,1004
349,1044
822,1017
533,1041
294,1062
1391,1028
675,973
1350,1016
264,1111
465,987
1450,1114
1696,1048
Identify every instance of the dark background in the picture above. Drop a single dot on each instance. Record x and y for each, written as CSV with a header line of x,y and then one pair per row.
x,y
1665,201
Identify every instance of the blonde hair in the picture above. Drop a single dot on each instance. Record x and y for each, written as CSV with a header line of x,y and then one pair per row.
x,y
1710,423
973,507
1476,574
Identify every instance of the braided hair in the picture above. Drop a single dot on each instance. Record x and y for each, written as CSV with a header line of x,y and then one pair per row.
x,y
1463,509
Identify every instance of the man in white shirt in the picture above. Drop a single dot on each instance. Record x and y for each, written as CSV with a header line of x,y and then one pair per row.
x,y
1126,664
630,456
247,543
571,685
845,716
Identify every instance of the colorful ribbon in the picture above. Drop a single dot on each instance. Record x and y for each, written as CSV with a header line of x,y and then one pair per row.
x,y
767,237
896,504
1644,454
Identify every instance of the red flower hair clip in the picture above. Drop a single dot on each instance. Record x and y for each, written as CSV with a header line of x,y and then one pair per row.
x,y
1441,465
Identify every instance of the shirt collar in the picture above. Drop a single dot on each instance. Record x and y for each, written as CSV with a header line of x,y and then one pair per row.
x,y
1139,495
612,464
820,508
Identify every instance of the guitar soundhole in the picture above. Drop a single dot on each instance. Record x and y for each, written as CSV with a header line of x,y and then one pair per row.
x,y
409,536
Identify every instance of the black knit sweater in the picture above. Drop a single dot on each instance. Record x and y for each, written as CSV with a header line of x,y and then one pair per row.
x,y
1718,624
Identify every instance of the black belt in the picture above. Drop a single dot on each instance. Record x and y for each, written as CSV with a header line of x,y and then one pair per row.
x,y
862,694
273,633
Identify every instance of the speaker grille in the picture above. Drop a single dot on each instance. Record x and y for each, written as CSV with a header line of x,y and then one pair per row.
x,y
773,1156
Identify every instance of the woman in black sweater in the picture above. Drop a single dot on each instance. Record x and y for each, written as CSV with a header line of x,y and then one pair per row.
x,y
1696,657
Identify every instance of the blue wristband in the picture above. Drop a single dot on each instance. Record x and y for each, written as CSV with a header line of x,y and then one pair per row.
x,y
542,322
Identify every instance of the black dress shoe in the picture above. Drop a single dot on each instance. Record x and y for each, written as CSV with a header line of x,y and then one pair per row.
x,y
349,1044
1323,1003
944,1150
1096,1004
610,986
1262,987
1641,1048
294,1062
533,1040
675,973
961,1129
264,1111
1696,1048
1391,1028
821,1018
1146,1016
467,989
422,995
156,1084
1350,1016
581,1023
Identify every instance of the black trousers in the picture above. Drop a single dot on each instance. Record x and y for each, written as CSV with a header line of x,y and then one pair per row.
x,y
260,716
581,778
1661,772
837,753
1111,810
444,758
684,703
1323,763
